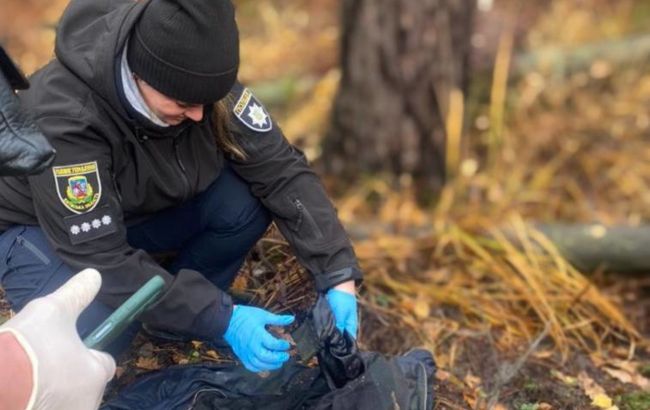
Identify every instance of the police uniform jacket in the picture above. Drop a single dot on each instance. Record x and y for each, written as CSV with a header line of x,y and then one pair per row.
x,y
110,172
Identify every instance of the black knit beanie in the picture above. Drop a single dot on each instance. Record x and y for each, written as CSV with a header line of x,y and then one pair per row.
x,y
186,49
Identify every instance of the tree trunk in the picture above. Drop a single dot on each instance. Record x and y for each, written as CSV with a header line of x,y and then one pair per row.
x,y
401,61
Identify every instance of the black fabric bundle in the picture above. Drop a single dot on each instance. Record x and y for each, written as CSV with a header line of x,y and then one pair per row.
x,y
346,379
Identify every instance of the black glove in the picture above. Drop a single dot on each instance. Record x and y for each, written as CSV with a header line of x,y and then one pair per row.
x,y
23,148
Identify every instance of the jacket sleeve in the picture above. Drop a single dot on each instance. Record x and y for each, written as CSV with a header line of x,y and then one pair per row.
x,y
281,177
78,208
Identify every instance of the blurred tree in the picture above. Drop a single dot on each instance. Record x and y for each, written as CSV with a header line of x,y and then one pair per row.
x,y
402,62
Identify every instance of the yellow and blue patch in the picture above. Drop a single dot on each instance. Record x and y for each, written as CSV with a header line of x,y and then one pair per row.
x,y
252,113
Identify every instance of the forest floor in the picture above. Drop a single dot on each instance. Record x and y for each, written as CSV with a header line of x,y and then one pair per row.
x,y
525,377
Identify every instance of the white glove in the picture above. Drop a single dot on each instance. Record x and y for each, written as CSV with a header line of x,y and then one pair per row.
x,y
67,375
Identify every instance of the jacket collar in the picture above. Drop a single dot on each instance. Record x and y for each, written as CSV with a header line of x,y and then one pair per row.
x,y
143,127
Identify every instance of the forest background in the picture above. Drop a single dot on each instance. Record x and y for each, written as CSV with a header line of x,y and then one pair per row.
x,y
514,245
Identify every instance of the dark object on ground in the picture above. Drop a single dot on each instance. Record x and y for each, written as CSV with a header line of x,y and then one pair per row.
x,y
23,149
346,379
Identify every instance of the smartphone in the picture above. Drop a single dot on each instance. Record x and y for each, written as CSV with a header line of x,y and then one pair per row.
x,y
125,314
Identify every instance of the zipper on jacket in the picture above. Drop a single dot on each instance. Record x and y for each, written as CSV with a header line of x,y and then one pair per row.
x,y
33,249
302,210
186,181
116,188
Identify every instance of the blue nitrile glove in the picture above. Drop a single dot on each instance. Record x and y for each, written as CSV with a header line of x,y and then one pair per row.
x,y
257,349
344,307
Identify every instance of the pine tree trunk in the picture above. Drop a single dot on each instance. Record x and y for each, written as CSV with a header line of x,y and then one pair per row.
x,y
400,61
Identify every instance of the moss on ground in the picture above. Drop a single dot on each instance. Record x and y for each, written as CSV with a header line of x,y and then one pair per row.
x,y
634,401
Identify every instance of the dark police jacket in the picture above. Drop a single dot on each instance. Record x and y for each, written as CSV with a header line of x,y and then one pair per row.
x,y
111,172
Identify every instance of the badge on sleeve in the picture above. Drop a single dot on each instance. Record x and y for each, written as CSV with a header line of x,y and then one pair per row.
x,y
78,186
252,113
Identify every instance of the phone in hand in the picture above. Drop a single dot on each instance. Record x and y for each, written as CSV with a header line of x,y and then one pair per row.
x,y
124,315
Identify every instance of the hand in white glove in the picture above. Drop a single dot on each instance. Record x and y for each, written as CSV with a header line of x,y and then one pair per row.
x,y
66,374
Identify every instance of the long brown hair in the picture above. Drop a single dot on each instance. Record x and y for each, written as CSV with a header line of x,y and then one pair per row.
x,y
225,139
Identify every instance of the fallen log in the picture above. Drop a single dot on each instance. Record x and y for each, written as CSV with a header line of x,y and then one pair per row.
x,y
623,249
562,60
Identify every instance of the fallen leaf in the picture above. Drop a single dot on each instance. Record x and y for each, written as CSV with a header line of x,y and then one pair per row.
x,y
421,309
626,371
240,283
213,355
601,401
568,380
472,381
442,375
179,358
595,392
627,365
470,398
621,375
543,354
628,377
473,392
597,360
147,363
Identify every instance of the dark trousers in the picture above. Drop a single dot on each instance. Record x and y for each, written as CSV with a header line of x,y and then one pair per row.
x,y
212,233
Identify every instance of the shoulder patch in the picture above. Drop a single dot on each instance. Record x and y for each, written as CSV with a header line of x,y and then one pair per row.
x,y
252,113
89,226
78,186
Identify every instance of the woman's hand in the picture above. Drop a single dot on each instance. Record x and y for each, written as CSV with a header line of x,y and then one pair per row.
x,y
258,349
343,301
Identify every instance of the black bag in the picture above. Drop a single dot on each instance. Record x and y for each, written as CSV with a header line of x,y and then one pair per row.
x,y
345,379
23,149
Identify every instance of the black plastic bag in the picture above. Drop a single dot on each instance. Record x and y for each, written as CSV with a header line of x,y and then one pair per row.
x,y
346,379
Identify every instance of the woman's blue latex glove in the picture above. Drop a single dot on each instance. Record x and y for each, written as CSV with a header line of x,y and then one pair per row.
x,y
344,307
257,349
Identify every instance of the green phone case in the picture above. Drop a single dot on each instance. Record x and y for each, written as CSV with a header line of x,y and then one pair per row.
x,y
125,314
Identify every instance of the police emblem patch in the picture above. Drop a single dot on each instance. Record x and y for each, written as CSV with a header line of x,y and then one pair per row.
x,y
252,113
78,186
